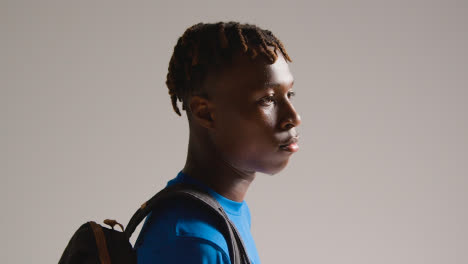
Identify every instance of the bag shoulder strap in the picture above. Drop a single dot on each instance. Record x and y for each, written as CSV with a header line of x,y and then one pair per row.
x,y
236,246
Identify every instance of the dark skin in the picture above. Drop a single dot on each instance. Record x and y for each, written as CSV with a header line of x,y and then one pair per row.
x,y
237,126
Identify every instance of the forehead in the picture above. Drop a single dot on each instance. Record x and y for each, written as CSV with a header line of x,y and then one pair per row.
x,y
278,73
247,76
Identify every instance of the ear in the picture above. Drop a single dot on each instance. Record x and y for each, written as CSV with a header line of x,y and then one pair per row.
x,y
202,110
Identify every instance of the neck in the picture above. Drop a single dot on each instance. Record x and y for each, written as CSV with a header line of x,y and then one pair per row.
x,y
210,168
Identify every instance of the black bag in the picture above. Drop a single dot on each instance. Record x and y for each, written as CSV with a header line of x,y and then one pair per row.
x,y
93,243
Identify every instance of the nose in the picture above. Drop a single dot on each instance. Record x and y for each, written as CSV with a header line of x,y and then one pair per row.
x,y
290,116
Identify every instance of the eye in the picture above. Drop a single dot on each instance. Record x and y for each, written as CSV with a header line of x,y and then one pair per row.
x,y
267,100
291,94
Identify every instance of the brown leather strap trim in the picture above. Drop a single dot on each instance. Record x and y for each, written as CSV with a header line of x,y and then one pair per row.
x,y
112,223
101,243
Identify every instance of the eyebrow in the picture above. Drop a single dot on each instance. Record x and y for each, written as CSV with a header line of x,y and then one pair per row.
x,y
274,85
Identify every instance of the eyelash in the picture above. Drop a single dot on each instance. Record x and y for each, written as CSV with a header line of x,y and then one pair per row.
x,y
269,99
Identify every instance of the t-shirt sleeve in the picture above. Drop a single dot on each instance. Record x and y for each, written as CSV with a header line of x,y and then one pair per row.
x,y
184,250
181,233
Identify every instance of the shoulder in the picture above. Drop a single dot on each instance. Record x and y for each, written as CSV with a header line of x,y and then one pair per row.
x,y
182,228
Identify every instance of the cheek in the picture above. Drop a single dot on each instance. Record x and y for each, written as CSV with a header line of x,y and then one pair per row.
x,y
247,134
250,143
268,115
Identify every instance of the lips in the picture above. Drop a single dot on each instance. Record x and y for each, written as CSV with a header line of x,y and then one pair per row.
x,y
290,145
289,141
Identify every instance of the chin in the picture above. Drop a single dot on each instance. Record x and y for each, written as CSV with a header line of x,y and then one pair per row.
x,y
273,169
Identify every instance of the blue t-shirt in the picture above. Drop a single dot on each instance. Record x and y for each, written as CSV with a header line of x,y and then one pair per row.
x,y
181,233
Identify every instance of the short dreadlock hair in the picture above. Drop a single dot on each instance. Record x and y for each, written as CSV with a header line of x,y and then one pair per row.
x,y
206,47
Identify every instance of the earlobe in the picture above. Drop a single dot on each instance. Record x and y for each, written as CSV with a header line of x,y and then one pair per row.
x,y
202,111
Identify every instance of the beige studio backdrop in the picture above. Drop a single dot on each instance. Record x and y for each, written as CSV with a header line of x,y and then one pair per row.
x,y
88,131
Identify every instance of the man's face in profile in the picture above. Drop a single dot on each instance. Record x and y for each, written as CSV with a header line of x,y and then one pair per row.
x,y
254,115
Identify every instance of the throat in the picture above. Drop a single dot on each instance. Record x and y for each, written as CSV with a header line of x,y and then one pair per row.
x,y
231,186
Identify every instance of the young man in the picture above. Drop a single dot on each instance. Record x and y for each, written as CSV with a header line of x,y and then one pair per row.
x,y
235,85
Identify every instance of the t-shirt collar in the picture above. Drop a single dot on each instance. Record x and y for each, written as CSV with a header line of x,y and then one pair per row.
x,y
230,206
